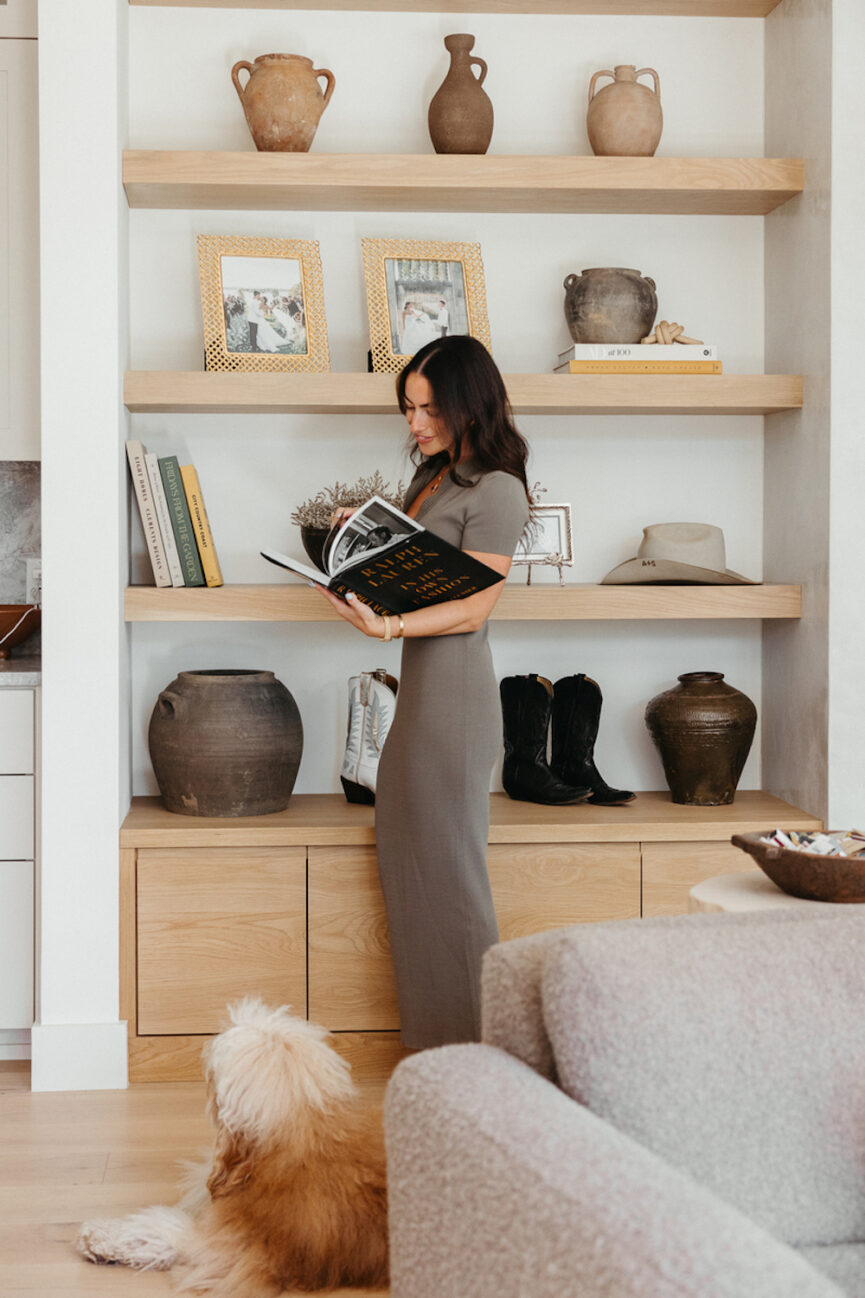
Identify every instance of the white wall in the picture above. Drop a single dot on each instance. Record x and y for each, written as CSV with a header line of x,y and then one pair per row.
x,y
847,571
798,340
19,234
619,474
78,1041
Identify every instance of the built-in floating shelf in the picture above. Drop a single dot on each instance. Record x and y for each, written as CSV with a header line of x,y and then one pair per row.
x,y
603,8
280,602
432,182
326,819
196,392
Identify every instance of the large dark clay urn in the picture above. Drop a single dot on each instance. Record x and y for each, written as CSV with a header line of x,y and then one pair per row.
x,y
703,729
610,304
225,743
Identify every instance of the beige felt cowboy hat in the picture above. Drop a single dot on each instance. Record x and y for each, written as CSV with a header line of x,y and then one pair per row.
x,y
686,552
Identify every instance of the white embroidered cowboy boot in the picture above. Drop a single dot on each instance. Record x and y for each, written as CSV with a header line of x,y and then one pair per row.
x,y
371,707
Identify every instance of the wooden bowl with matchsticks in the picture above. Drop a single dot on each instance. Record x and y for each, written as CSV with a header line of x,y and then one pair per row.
x,y
807,874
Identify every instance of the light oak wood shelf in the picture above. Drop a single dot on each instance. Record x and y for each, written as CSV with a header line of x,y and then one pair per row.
x,y
603,8
196,392
327,820
272,602
432,182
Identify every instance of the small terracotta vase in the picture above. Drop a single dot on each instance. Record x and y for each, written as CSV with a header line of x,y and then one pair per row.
x,y
625,119
225,743
610,304
460,114
703,729
282,100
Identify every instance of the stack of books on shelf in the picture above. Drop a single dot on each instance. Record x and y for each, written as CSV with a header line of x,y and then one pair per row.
x,y
174,519
639,358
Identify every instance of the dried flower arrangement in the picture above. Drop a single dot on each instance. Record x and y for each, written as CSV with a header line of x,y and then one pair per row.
x,y
316,512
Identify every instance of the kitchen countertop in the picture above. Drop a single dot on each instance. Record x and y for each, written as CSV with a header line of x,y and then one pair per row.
x,y
20,673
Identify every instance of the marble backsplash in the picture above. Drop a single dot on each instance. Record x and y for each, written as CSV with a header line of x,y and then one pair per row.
x,y
20,533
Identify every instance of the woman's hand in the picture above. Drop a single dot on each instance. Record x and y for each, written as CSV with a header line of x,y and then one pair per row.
x,y
353,610
339,516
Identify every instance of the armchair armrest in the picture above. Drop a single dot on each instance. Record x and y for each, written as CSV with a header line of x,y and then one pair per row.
x,y
500,1186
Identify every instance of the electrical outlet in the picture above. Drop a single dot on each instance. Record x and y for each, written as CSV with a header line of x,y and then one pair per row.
x,y
33,582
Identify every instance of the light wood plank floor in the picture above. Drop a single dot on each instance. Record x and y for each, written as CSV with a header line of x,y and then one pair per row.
x,y
68,1156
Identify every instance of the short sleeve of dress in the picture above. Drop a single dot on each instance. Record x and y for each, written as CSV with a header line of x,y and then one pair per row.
x,y
497,514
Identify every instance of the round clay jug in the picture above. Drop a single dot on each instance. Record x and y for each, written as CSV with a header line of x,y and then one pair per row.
x,y
225,743
625,119
460,114
703,729
282,100
610,304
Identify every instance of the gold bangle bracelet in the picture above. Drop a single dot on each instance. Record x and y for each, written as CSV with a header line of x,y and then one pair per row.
x,y
401,626
387,632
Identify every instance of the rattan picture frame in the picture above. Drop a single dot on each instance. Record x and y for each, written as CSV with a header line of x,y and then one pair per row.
x,y
417,290
262,302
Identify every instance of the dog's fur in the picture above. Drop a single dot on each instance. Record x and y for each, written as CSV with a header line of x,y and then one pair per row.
x,y
294,1195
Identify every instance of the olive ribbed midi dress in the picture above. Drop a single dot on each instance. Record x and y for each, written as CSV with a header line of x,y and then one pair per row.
x,y
432,788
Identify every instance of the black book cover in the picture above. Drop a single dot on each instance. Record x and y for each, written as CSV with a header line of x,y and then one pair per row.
x,y
391,563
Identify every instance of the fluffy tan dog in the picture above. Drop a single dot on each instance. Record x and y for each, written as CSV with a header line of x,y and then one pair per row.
x,y
294,1195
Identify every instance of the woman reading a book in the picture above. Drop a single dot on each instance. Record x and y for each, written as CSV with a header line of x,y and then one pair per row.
x,y
432,791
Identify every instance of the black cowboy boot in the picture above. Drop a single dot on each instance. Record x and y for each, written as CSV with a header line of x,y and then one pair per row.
x,y
576,714
526,776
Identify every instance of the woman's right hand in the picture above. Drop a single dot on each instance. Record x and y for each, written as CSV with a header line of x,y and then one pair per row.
x,y
339,516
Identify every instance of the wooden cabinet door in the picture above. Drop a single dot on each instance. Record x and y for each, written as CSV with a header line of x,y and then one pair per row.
x,y
216,924
670,871
17,823
535,887
16,732
16,947
351,982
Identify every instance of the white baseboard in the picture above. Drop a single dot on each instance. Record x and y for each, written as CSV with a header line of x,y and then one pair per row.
x,y
15,1043
79,1057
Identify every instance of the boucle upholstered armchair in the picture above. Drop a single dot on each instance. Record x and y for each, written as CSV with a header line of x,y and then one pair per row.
x,y
660,1107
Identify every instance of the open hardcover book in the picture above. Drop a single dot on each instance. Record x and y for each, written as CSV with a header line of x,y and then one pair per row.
x,y
391,562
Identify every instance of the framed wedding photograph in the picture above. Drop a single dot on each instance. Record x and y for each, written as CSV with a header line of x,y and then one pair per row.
x,y
417,291
547,539
263,303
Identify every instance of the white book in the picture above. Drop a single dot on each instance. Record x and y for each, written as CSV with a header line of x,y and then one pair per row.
x,y
164,518
136,452
639,352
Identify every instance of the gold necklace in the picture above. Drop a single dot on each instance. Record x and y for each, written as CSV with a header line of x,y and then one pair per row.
x,y
437,481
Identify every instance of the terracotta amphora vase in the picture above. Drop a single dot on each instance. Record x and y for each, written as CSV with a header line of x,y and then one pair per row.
x,y
460,114
703,729
225,743
282,100
610,304
625,119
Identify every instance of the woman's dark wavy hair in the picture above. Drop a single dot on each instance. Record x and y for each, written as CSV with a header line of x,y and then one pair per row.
x,y
472,402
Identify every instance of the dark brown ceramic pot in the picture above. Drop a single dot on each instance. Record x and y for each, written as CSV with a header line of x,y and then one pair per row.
x,y
225,743
703,729
460,114
610,304
313,539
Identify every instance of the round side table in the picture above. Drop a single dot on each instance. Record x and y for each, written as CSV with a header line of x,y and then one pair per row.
x,y
749,890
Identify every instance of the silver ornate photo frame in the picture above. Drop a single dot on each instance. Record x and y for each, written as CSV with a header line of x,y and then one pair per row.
x,y
548,540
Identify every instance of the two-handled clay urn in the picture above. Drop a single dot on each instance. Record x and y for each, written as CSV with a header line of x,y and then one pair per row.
x,y
282,100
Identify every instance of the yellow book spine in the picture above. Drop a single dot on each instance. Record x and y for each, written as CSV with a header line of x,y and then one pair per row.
x,y
201,524
645,367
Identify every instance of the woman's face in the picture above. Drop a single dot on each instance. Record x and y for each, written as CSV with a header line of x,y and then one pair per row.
x,y
423,418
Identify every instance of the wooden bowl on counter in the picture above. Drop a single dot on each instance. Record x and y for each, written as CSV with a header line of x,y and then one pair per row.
x,y
806,874
17,622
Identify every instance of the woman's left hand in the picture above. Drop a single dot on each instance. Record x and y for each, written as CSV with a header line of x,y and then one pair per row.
x,y
353,610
